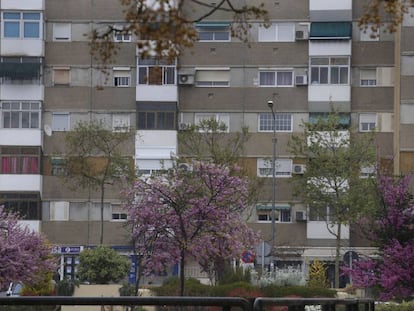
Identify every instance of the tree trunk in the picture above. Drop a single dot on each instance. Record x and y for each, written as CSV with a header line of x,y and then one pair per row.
x,y
102,214
182,279
337,254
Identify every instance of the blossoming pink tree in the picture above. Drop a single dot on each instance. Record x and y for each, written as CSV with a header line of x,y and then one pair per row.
x,y
24,254
392,231
190,214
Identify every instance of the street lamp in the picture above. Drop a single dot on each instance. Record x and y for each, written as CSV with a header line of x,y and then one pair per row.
x,y
274,141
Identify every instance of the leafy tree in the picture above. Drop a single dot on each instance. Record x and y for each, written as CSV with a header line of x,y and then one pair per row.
x,y
332,186
94,159
379,11
391,230
317,275
210,141
25,255
189,214
102,265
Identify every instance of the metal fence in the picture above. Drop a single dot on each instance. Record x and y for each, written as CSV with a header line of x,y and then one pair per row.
x,y
225,303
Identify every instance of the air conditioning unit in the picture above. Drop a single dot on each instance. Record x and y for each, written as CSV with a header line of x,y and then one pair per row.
x,y
183,126
301,80
185,79
299,169
301,35
184,167
300,216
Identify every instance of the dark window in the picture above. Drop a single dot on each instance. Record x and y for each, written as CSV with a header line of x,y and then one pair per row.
x,y
27,205
20,160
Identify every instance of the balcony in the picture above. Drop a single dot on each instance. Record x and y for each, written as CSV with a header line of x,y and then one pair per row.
x,y
21,182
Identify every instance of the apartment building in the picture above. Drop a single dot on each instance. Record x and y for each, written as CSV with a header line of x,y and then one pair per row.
x,y
313,54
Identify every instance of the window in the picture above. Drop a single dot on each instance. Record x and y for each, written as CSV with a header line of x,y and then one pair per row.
x,y
282,213
156,116
368,77
59,210
120,122
21,25
60,122
276,78
61,76
213,31
283,167
213,77
156,72
27,205
282,122
329,70
320,213
118,213
280,32
220,118
20,114
62,32
367,122
367,171
58,166
122,37
20,160
122,76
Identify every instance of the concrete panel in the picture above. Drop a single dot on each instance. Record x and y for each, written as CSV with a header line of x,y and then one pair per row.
x,y
407,42
384,143
407,162
260,145
243,99
376,99
407,89
20,182
84,98
372,53
85,233
406,136
84,10
407,65
23,5
21,137
67,53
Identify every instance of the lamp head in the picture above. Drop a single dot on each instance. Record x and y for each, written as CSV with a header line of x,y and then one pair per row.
x,y
270,104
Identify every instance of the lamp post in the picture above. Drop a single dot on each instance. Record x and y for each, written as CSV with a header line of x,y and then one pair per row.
x,y
274,141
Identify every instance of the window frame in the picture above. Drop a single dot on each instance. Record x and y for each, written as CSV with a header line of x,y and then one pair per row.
x,y
17,160
65,70
122,77
19,110
58,127
265,122
370,126
329,67
214,32
276,72
275,27
122,117
62,28
214,82
146,68
367,72
264,168
283,215
22,23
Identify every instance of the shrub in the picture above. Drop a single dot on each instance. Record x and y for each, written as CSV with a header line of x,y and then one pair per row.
x,y
66,287
317,275
102,265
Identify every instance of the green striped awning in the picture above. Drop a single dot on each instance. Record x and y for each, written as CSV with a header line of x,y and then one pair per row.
x,y
331,30
19,70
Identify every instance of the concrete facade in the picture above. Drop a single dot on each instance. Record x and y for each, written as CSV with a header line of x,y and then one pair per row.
x,y
226,79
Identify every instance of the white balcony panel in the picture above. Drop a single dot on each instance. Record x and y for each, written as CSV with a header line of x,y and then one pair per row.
x,y
155,144
32,225
23,4
21,137
322,5
22,92
22,47
330,48
329,93
318,230
21,182
166,93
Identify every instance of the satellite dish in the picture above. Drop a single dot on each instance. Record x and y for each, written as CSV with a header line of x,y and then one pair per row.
x,y
48,130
